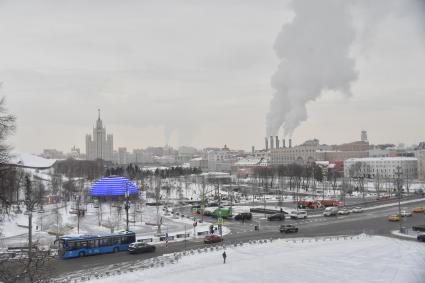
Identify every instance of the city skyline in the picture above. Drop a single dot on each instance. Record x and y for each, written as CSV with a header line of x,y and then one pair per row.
x,y
211,88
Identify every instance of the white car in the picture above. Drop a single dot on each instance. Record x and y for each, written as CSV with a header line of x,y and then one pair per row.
x,y
343,211
357,209
298,214
405,213
330,211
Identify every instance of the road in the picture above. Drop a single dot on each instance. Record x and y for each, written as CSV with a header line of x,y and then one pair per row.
x,y
372,222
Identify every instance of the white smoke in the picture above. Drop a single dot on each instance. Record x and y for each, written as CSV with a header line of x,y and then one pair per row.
x,y
314,50
315,55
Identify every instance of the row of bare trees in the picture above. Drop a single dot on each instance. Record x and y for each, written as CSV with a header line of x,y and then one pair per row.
x,y
30,265
300,176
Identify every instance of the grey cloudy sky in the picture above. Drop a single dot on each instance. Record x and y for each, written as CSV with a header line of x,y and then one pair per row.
x,y
193,72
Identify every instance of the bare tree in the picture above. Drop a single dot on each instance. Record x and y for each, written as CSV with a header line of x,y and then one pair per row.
x,y
16,267
7,127
32,200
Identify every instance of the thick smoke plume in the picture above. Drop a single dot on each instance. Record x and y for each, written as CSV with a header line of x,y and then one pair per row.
x,y
314,51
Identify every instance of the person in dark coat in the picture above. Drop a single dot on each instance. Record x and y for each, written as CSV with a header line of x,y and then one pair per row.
x,y
224,257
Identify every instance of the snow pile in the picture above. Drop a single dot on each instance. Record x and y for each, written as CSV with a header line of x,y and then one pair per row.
x,y
361,259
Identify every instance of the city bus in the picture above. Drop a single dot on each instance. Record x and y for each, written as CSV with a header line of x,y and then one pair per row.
x,y
85,245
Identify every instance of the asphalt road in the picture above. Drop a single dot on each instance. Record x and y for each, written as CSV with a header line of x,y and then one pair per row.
x,y
372,222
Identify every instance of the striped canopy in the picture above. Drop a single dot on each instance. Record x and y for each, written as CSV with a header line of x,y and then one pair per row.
x,y
113,186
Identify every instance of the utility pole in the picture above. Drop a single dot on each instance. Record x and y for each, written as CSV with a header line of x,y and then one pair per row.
x,y
78,214
127,204
407,181
264,199
157,198
203,199
219,210
398,180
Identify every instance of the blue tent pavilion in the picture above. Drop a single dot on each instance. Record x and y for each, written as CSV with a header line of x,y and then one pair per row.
x,y
113,187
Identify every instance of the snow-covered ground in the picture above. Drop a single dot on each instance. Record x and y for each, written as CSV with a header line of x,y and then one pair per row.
x,y
14,226
357,259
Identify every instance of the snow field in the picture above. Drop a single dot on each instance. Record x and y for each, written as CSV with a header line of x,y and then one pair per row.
x,y
350,259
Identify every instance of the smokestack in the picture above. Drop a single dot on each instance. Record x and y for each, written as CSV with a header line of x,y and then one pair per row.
x,y
277,142
271,143
252,149
283,143
267,143
290,143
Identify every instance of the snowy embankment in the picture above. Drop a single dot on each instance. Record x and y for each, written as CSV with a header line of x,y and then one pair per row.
x,y
337,259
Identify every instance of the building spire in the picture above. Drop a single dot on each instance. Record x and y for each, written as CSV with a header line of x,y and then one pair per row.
x,y
98,122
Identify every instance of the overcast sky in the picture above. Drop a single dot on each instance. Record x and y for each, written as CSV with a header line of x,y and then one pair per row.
x,y
193,73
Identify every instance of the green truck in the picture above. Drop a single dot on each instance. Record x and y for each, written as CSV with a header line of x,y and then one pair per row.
x,y
223,212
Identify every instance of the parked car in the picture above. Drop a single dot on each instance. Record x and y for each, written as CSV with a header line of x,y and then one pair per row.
x,y
277,216
244,215
298,214
421,237
139,247
357,209
330,211
394,218
211,239
288,228
343,211
418,209
405,213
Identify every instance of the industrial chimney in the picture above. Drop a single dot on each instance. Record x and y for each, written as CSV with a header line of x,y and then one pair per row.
x,y
252,150
277,142
267,143
283,143
271,143
290,143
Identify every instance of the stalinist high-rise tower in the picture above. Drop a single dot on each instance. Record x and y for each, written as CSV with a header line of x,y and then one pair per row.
x,y
102,145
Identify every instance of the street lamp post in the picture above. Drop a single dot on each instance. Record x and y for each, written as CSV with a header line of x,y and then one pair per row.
x,y
78,214
127,204
203,199
398,181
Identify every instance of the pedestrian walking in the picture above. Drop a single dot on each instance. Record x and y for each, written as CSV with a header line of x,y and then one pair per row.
x,y
224,257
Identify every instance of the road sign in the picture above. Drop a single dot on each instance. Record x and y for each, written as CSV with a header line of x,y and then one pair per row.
x,y
220,221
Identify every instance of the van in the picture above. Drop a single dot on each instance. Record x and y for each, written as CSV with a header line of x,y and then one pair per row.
x,y
330,211
298,214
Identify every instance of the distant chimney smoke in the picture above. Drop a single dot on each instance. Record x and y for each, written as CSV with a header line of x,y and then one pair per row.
x,y
290,143
277,142
271,143
283,143
267,143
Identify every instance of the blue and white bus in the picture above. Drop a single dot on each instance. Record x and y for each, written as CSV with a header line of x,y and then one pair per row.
x,y
84,245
